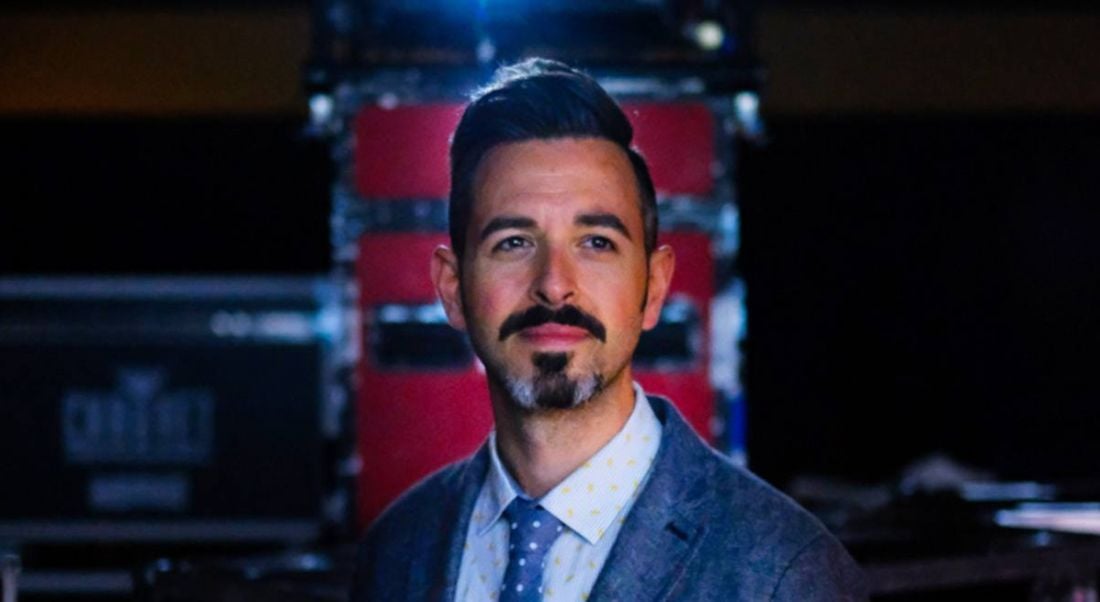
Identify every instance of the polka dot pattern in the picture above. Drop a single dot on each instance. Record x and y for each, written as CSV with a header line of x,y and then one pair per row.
x,y
533,532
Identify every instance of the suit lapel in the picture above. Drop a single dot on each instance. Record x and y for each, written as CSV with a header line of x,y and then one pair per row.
x,y
441,576
664,528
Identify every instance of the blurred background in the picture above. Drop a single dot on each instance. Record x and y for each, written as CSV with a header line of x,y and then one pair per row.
x,y
917,226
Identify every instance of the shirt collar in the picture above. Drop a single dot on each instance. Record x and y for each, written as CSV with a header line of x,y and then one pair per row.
x,y
613,474
499,490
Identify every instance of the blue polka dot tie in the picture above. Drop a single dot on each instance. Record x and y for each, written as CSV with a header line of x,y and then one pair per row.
x,y
532,532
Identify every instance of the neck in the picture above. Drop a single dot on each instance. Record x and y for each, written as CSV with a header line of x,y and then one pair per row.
x,y
541,448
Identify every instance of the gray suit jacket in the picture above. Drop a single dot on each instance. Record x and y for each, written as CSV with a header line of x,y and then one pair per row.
x,y
701,529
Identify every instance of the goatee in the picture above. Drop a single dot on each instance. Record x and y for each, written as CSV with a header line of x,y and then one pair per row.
x,y
551,388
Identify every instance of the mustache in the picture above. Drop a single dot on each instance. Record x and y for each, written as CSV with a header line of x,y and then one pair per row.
x,y
567,315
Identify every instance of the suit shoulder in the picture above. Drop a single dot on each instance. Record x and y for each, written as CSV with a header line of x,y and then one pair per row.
x,y
789,549
822,570
726,494
418,507
414,528
767,513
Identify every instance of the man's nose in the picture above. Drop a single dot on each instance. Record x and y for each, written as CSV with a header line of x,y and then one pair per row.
x,y
555,283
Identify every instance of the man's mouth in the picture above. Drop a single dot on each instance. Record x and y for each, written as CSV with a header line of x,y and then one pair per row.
x,y
554,335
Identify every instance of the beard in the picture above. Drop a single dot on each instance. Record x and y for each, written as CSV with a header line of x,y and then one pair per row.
x,y
551,388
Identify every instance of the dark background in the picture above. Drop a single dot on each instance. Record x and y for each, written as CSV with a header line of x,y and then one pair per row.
x,y
920,285
918,233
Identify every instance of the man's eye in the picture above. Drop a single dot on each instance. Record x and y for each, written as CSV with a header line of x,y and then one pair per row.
x,y
510,243
601,243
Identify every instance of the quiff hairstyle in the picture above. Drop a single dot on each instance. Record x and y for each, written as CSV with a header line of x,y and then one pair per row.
x,y
539,99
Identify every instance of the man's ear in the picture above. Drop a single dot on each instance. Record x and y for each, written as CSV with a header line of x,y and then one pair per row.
x,y
662,263
445,279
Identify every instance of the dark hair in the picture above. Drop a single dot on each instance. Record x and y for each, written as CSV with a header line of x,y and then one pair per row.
x,y
539,99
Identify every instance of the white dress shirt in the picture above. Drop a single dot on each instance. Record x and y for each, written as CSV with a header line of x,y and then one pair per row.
x,y
592,503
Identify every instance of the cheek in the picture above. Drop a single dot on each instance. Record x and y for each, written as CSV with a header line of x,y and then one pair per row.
x,y
620,290
487,306
488,298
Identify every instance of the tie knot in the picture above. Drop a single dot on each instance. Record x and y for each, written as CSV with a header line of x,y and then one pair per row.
x,y
533,528
522,508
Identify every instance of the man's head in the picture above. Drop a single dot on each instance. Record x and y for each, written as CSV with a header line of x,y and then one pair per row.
x,y
554,271
539,99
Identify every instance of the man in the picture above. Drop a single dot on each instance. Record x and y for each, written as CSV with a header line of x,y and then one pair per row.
x,y
586,489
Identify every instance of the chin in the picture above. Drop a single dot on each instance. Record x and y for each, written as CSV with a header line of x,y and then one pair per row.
x,y
556,391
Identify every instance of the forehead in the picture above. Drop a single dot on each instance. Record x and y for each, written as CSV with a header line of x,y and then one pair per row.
x,y
563,174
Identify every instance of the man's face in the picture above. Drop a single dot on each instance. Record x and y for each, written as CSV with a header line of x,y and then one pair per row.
x,y
555,286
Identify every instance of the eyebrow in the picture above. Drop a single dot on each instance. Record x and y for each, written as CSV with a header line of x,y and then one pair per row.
x,y
603,220
599,220
503,223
